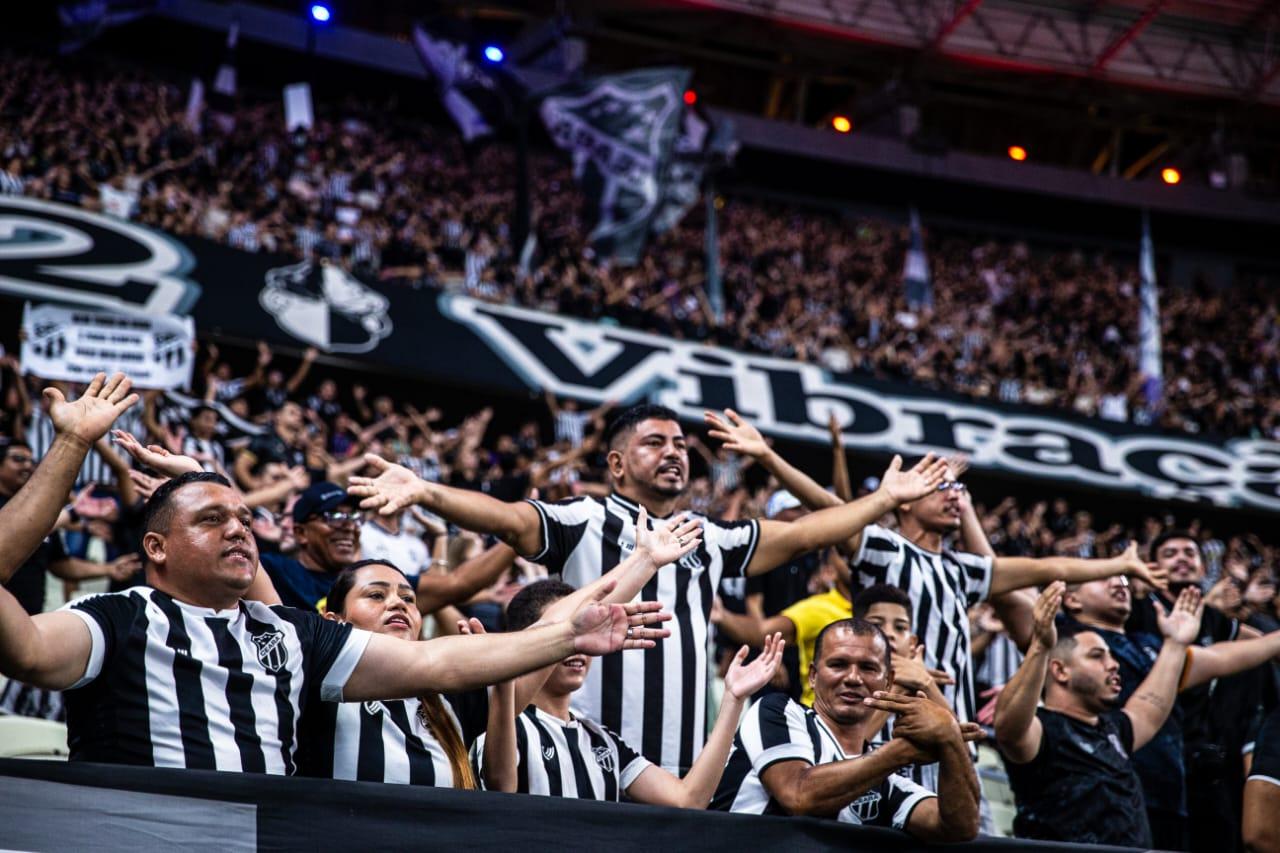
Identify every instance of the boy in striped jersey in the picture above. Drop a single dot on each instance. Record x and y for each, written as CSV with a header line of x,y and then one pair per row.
x,y
183,673
548,750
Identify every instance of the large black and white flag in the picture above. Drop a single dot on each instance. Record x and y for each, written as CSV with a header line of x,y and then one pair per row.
x,y
620,131
683,182
470,94
222,95
915,269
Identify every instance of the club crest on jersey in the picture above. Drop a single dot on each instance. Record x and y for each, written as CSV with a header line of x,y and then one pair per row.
x,y
373,708
604,757
272,652
866,808
548,753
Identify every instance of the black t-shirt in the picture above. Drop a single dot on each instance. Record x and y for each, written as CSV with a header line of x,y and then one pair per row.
x,y
27,584
272,448
1266,751
1081,787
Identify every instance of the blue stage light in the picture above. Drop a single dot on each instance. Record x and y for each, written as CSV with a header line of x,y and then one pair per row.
x,y
320,13
494,54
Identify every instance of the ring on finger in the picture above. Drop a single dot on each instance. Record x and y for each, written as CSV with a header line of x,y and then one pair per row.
x,y
631,632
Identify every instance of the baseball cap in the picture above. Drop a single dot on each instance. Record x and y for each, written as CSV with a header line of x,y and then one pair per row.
x,y
318,498
779,502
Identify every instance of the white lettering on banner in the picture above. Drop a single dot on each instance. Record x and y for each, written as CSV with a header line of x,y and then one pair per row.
x,y
596,362
71,344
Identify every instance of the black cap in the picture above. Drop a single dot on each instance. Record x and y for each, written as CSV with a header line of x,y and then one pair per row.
x,y
318,498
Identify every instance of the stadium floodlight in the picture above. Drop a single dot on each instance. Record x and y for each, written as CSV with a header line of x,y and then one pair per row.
x,y
1017,152
494,54
1170,175
320,13
841,124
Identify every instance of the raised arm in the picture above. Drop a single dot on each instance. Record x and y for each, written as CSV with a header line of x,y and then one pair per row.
x,y
1019,572
658,787
1018,729
740,436
300,375
31,513
783,541
395,487
392,668
1150,704
1222,659
480,572
839,462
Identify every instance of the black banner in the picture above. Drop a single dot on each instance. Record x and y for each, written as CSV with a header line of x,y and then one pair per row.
x,y
56,253
59,806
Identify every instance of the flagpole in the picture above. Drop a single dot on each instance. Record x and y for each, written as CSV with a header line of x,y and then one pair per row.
x,y
715,287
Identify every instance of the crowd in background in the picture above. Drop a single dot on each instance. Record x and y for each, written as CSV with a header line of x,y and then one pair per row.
x,y
400,200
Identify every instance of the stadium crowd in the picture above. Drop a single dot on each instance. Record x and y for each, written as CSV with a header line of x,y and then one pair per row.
x,y
400,200
383,516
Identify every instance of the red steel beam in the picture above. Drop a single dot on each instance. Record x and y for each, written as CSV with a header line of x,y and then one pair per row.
x,y
956,20
1109,52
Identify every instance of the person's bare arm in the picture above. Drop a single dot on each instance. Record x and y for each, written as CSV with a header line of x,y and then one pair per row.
x,y
658,787
300,375
1150,704
840,480
480,572
1020,572
120,470
783,541
1018,729
1259,824
50,650
31,513
395,488
740,436
751,628
1227,658
296,480
802,788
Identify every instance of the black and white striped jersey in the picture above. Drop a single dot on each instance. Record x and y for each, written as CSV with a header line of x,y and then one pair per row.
x,y
943,586
169,684
778,728
579,758
384,741
656,698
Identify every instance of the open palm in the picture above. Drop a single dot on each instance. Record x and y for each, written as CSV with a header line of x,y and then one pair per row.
x,y
89,417
915,483
667,541
394,488
736,433
744,680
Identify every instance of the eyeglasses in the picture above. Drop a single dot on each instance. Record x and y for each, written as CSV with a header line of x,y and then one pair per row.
x,y
952,486
333,518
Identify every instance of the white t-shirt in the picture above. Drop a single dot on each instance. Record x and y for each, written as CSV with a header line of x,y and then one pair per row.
x,y
405,551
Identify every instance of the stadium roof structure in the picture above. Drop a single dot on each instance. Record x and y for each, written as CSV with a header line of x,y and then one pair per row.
x,y
1226,48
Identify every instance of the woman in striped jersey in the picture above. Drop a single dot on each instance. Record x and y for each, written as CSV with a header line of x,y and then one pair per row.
x,y
418,741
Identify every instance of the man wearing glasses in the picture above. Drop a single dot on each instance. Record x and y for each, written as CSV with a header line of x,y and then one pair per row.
x,y
326,524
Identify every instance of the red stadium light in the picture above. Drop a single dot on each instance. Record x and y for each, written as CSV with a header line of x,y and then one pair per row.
x,y
1017,152
841,124
1170,175
690,97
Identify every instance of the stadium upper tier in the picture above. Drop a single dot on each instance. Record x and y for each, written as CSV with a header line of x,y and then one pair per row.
x,y
402,201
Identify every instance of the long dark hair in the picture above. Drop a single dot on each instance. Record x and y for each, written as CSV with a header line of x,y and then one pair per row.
x,y
430,707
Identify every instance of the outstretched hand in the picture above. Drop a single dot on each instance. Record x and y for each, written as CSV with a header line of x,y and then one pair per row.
x,y
393,488
916,483
1135,567
89,417
667,541
1044,631
154,456
742,681
736,433
600,628
1181,624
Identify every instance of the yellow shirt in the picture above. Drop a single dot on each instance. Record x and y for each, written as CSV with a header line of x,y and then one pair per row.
x,y
810,616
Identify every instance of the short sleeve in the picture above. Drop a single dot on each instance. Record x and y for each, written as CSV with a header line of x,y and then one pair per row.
x,y
804,616
976,571
736,541
332,653
108,618
903,797
877,550
1266,752
775,730
1124,728
563,525
630,763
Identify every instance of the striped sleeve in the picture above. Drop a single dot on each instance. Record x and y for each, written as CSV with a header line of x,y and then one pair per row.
x,y
976,570
877,550
736,541
774,730
563,524
630,763
108,618
903,797
331,649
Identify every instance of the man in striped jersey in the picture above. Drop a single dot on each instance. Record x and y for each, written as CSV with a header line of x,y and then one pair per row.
x,y
943,583
182,673
658,700
789,759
